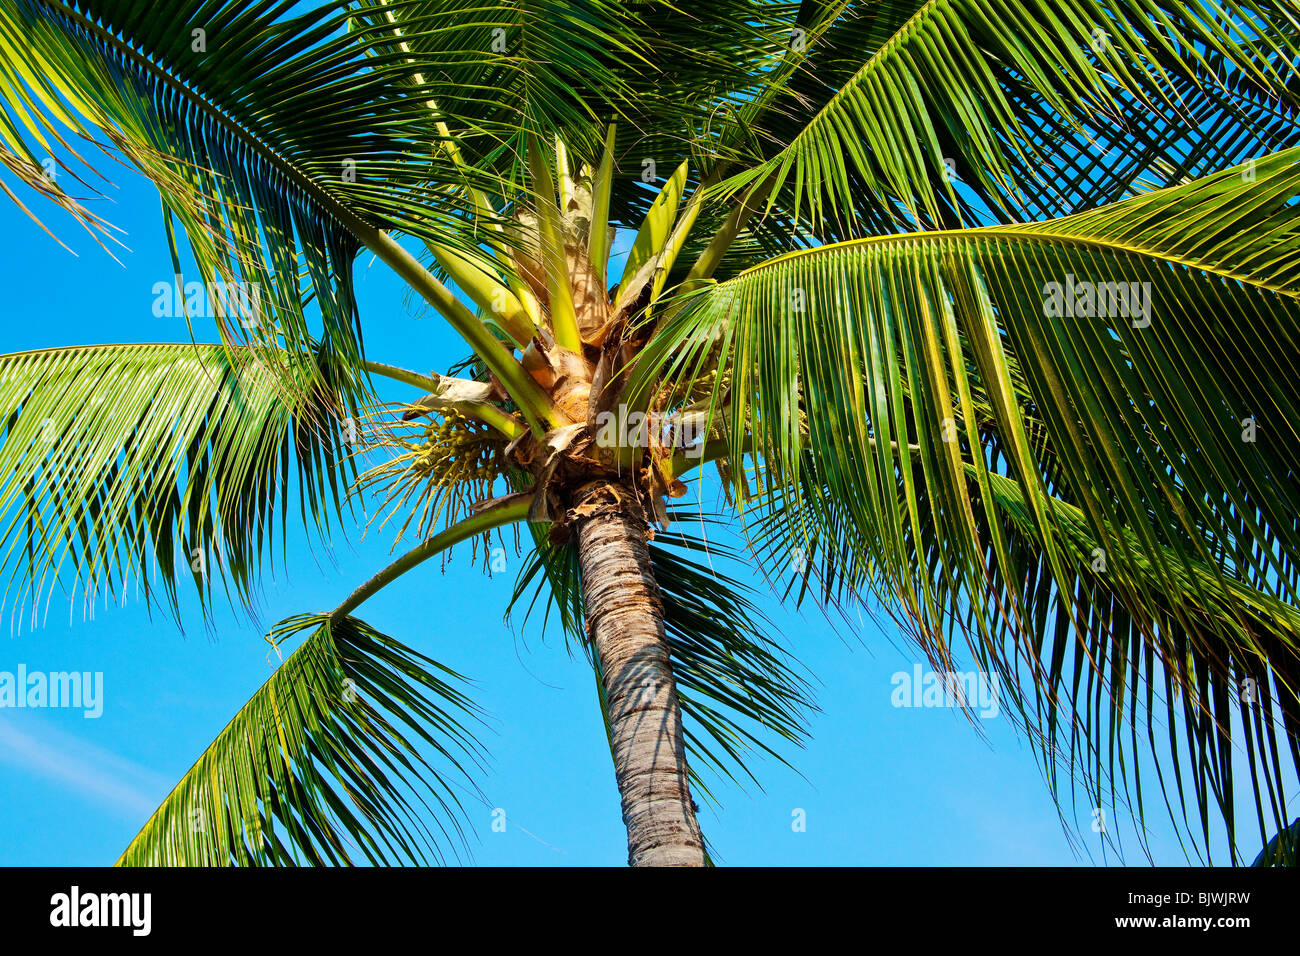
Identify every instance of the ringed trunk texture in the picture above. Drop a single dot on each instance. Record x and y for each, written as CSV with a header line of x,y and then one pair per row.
x,y
625,624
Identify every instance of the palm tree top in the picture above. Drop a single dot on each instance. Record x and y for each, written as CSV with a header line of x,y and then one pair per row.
x,y
983,312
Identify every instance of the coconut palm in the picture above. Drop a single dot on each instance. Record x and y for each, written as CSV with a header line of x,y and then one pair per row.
x,y
984,312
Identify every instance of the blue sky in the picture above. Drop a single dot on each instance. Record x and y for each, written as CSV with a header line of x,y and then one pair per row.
x,y
878,784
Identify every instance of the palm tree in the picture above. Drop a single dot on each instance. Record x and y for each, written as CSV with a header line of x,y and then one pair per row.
x,y
985,311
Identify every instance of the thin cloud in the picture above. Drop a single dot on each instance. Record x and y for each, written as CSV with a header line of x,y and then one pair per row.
x,y
96,774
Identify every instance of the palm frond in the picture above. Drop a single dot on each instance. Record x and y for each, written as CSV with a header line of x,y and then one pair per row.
x,y
278,145
1106,694
669,76
322,765
152,462
1094,405
1282,850
1039,109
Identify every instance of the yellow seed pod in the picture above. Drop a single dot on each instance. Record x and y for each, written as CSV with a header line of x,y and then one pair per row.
x,y
458,449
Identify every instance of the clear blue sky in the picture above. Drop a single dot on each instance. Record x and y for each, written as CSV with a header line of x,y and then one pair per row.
x,y
880,785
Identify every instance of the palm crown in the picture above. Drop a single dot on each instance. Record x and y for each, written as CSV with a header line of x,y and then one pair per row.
x,y
982,310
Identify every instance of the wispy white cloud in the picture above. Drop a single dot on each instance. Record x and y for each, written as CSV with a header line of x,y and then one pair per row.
x,y
98,775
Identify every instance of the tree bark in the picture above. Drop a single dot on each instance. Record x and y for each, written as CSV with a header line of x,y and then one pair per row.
x,y
625,624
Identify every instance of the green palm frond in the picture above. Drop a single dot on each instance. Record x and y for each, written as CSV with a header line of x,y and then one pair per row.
x,y
278,145
323,764
1283,849
741,696
119,457
1110,386
734,678
555,63
1224,118
553,574
1080,636
1066,447
671,78
1038,108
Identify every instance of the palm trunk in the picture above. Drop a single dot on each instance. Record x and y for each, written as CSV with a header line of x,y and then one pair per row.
x,y
625,625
